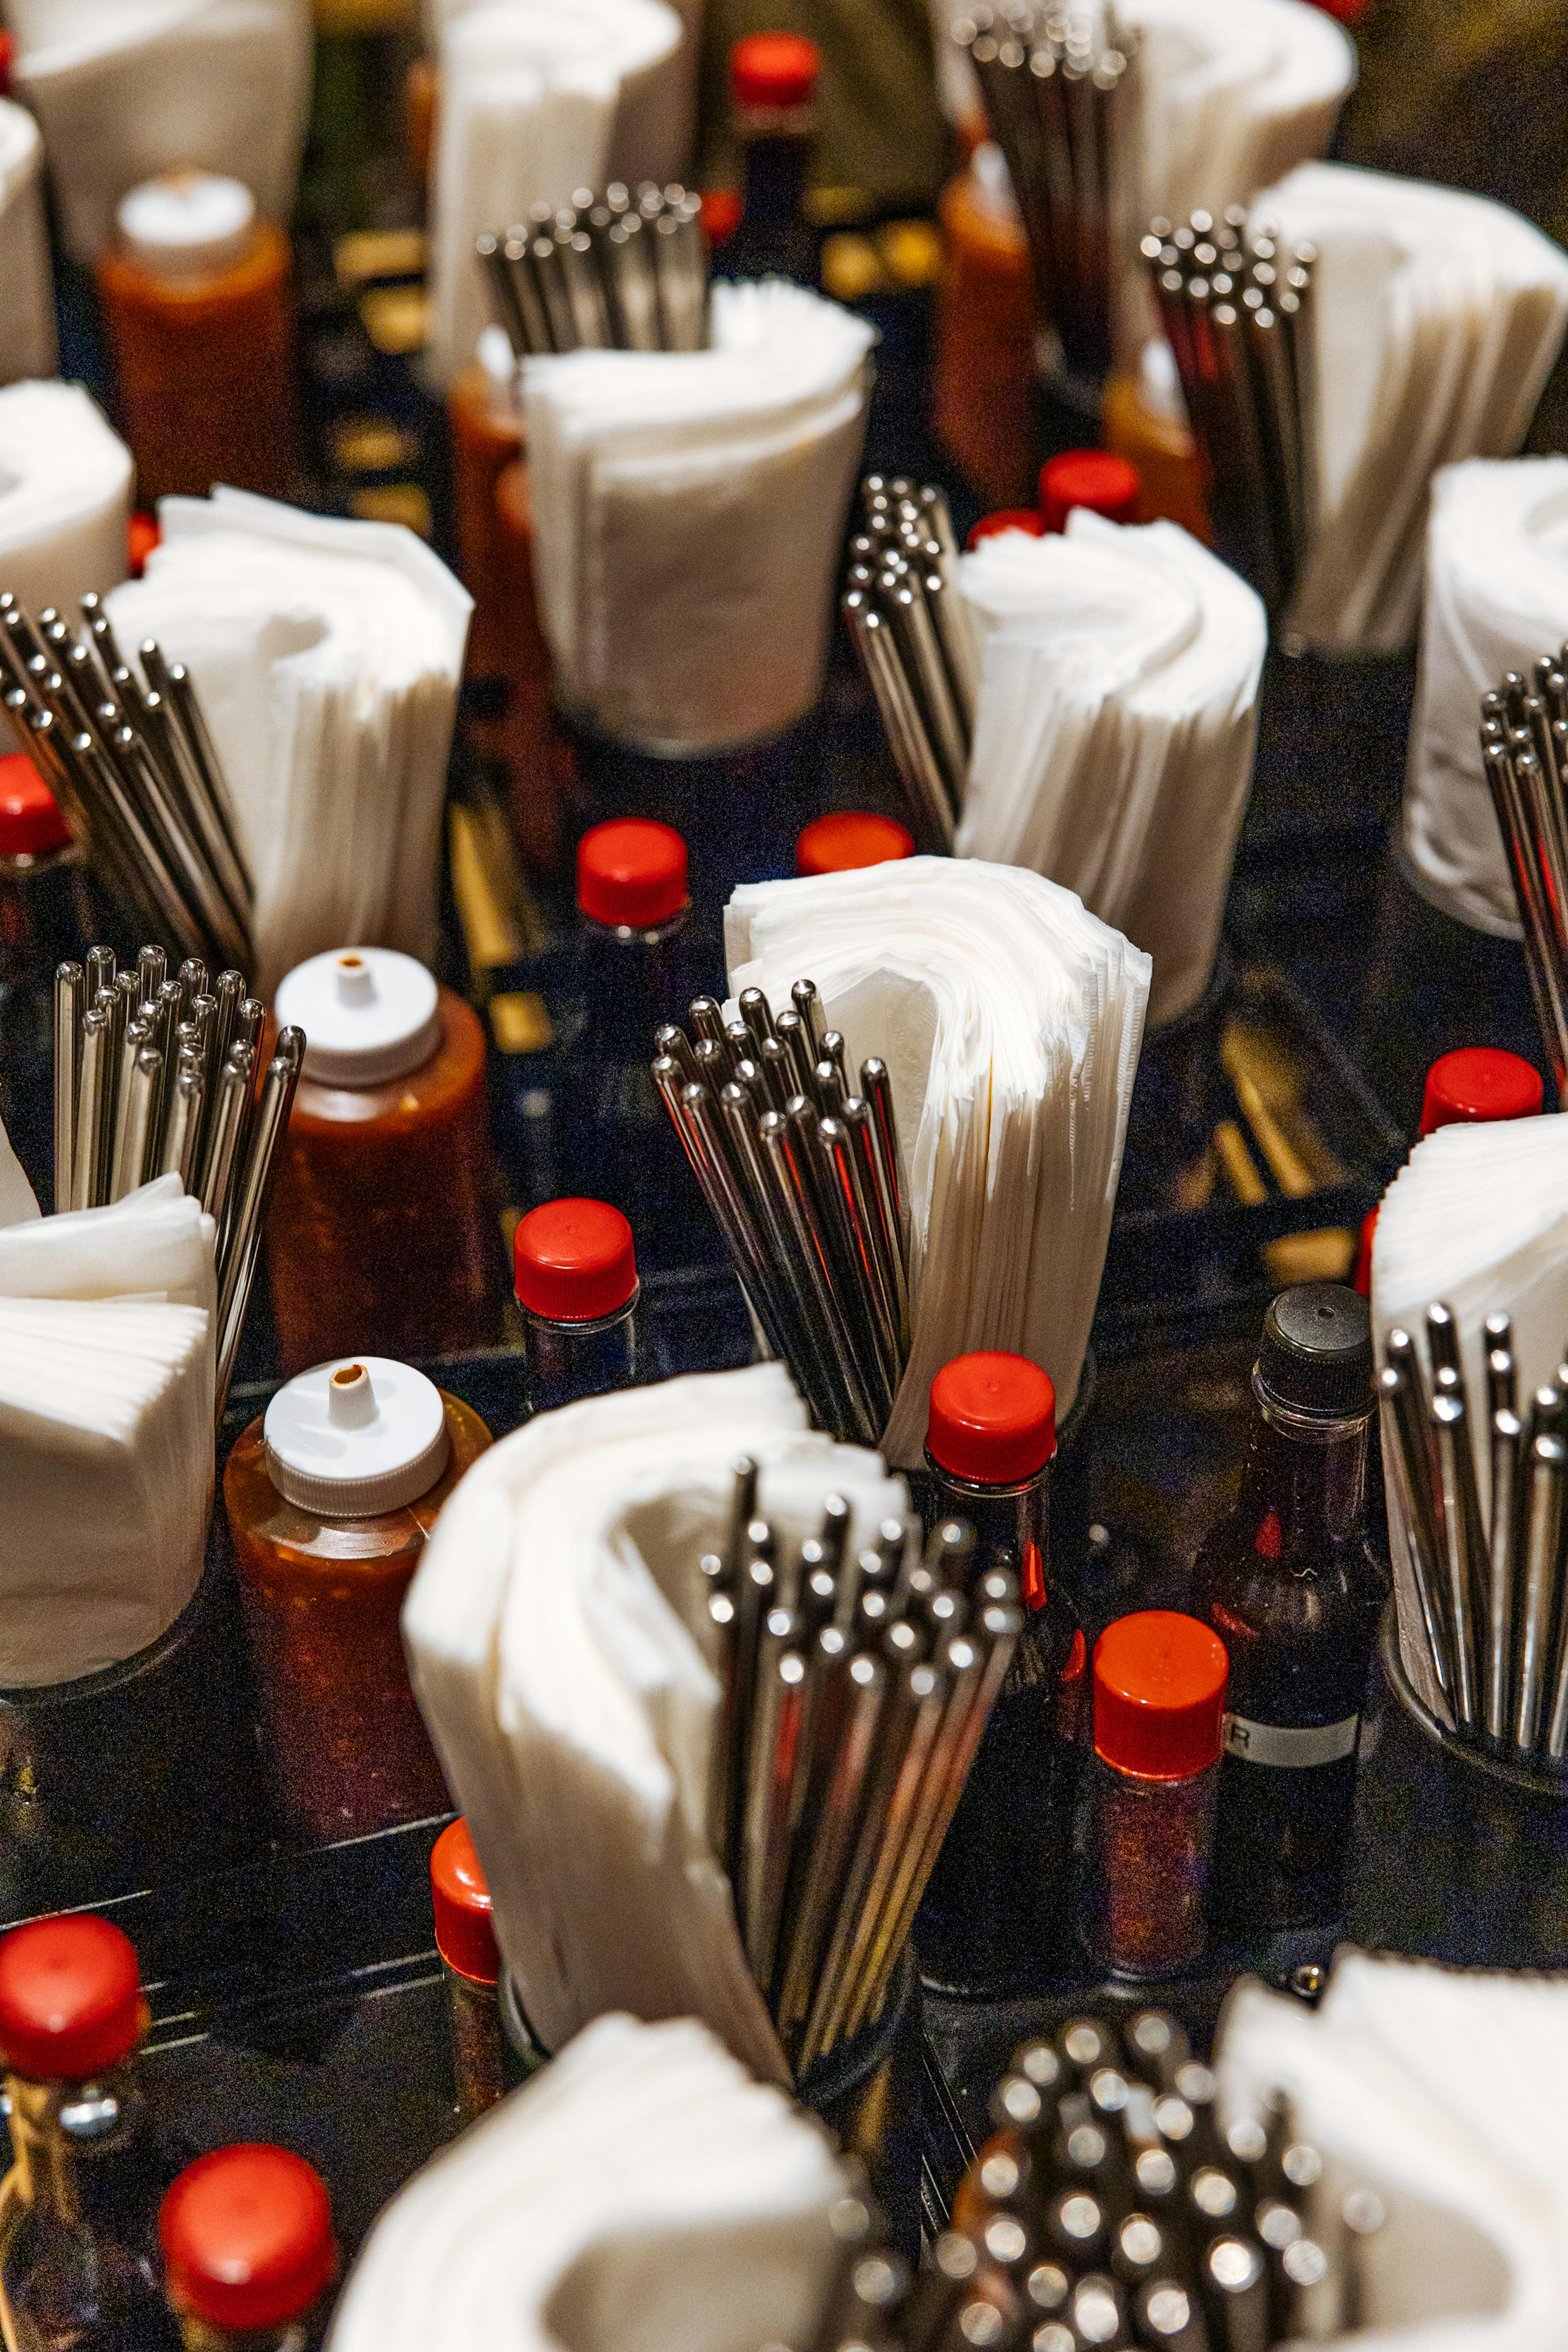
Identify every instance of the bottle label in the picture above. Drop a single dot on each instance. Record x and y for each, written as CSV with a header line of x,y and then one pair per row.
x,y
1290,1745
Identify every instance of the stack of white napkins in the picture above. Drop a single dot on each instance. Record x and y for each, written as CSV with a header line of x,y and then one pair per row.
x,y
326,656
1010,1020
1478,1217
688,512
106,1424
27,313
1496,596
65,496
556,1632
640,2192
537,101
1445,2092
125,89
1438,315
1114,728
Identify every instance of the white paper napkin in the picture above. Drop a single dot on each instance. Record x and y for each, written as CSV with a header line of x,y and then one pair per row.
x,y
125,89
1010,1020
640,2192
537,101
326,656
555,1633
27,312
1114,728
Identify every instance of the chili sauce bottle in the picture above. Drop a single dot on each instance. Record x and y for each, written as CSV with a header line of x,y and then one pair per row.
x,y
773,102
249,2252
470,1962
576,1274
1291,1585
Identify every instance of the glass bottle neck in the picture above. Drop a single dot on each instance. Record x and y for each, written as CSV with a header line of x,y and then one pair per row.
x,y
45,2172
1304,1487
200,2336
1011,1521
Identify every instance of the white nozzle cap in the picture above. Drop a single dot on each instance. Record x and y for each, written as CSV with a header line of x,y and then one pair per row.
x,y
355,1438
369,1014
187,224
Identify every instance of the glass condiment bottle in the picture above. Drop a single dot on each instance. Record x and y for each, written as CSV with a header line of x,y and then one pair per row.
x,y
575,1273
249,2252
43,922
200,319
1471,1087
773,95
470,1962
633,973
1290,1583
330,1494
79,2264
381,1232
848,838
997,1908
1152,1776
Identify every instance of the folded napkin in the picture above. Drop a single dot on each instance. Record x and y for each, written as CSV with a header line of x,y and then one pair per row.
x,y
1438,315
326,656
65,496
688,511
1496,595
1010,1020
556,1633
27,317
537,101
641,2191
1442,2093
1114,728
106,1424
125,89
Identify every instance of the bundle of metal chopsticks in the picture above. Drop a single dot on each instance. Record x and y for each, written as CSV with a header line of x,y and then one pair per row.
x,y
1056,89
1492,1585
854,1692
900,602
624,271
1112,2207
1524,749
133,766
156,1076
1237,314
803,1176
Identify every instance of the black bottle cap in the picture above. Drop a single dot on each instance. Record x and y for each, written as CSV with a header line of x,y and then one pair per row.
x,y
1316,1355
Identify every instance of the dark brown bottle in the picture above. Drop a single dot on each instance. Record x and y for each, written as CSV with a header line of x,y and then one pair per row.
x,y
1291,1585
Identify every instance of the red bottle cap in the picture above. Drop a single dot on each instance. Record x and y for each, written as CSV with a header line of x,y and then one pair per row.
x,y
141,536
1476,1084
247,2235
851,837
70,1997
31,825
631,872
1007,519
1364,1256
773,69
721,210
573,1261
1159,1695
7,52
993,1418
461,1901
1095,478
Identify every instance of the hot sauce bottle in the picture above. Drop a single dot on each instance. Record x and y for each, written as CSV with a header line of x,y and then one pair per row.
x,y
847,838
78,2263
575,1272
249,2250
330,1494
470,1962
381,1231
772,100
1291,1585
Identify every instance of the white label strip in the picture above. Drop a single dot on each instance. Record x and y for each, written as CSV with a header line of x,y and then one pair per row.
x,y
1276,1743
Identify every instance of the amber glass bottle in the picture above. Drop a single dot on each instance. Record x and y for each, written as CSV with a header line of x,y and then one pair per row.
x,y
381,1229
1292,1586
331,1496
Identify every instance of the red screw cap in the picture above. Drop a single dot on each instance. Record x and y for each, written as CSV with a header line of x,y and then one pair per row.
x,y
248,2238
1159,1693
993,1418
31,825
851,837
573,1261
631,872
1006,518
461,1901
141,536
1088,478
70,1997
773,69
1476,1083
